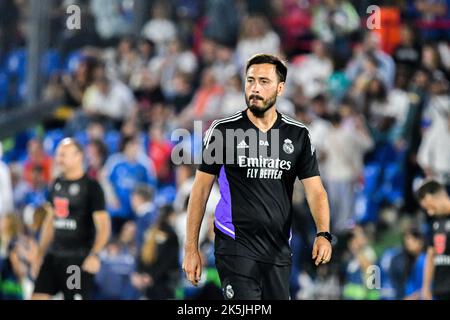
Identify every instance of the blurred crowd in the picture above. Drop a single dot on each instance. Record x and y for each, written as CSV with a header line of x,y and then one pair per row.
x,y
376,102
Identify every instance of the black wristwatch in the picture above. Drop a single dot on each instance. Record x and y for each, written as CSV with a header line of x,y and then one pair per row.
x,y
326,235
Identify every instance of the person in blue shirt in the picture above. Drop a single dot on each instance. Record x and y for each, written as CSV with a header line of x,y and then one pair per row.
x,y
37,192
113,280
145,211
407,266
124,171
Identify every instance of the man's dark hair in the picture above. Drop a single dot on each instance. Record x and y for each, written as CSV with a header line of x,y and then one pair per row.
x,y
261,58
431,187
101,148
144,191
320,98
125,141
335,118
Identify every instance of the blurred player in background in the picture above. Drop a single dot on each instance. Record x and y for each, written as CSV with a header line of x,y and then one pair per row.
x,y
76,229
435,200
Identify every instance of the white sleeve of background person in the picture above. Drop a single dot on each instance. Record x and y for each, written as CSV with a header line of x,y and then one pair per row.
x,y
6,194
425,153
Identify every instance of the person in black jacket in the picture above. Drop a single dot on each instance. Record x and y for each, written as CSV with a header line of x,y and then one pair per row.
x,y
157,268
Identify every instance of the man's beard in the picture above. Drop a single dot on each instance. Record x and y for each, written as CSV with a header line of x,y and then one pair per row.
x,y
260,111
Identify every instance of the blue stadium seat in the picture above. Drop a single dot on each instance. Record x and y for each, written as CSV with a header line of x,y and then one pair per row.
x,y
72,61
51,140
16,63
165,195
392,187
82,138
51,62
112,141
3,89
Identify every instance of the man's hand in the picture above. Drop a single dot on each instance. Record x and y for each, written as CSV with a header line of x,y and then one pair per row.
x,y
141,280
321,251
192,266
91,264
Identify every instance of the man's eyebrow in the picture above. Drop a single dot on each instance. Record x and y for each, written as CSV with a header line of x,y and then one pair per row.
x,y
261,78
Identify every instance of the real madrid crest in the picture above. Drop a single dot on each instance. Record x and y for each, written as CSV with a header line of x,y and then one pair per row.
x,y
74,189
229,291
288,147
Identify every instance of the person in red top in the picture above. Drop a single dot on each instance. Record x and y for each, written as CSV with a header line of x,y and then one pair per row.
x,y
37,157
159,150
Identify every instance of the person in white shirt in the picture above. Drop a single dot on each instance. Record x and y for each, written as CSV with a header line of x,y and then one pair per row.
x,y
343,164
110,98
313,70
6,192
256,36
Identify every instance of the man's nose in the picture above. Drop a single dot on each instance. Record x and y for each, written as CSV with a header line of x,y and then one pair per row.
x,y
255,87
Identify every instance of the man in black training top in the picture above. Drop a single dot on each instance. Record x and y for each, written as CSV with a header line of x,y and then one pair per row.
x,y
434,199
75,230
253,218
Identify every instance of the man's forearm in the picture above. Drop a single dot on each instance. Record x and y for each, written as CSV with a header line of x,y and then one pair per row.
x,y
429,270
320,210
46,235
103,232
196,211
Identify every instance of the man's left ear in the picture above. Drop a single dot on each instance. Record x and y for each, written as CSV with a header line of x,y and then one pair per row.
x,y
280,88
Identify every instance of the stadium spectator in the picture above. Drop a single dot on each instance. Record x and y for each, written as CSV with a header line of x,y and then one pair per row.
x,y
142,201
96,155
333,21
318,129
232,100
407,54
37,193
182,92
157,269
370,49
432,11
411,135
206,100
123,61
434,151
256,36
225,65
313,70
159,151
177,58
343,166
113,19
124,171
113,280
160,29
6,187
407,267
36,157
12,269
75,84
109,98
222,21
362,256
